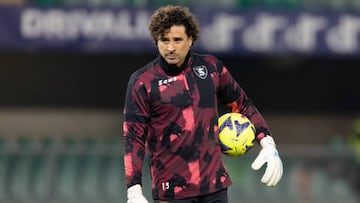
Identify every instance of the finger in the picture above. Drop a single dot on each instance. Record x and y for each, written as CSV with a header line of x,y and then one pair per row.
x,y
275,177
259,161
280,172
268,173
271,179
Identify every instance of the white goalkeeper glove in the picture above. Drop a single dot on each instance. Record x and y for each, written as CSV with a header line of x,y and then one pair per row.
x,y
269,155
135,195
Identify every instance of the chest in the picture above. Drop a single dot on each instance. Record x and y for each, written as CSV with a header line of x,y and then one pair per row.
x,y
196,87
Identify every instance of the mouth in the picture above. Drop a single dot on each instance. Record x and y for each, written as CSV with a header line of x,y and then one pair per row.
x,y
171,56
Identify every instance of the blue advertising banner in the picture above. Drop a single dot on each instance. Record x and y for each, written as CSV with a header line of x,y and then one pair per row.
x,y
222,31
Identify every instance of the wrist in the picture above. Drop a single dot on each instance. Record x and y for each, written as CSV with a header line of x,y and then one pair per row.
x,y
134,191
267,141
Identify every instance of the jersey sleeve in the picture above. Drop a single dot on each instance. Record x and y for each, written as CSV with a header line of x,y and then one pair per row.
x,y
135,129
237,100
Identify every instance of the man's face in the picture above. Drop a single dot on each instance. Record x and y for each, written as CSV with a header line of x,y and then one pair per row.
x,y
174,45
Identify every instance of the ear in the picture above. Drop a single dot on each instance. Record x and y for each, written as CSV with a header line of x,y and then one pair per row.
x,y
191,42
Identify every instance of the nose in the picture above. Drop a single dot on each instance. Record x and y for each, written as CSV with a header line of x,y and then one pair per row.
x,y
171,47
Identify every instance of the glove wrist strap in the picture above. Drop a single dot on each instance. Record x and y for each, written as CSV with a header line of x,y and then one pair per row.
x,y
134,191
267,141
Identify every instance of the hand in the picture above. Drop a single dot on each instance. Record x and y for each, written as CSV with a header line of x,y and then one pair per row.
x,y
269,155
134,194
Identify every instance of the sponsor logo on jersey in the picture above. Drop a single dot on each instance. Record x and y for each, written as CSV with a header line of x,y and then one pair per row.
x,y
166,81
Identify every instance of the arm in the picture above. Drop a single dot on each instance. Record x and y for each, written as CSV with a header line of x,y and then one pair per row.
x,y
135,128
237,101
240,103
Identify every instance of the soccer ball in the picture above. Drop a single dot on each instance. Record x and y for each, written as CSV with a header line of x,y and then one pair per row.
x,y
236,134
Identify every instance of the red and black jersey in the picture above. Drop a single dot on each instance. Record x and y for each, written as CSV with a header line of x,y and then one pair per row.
x,y
173,111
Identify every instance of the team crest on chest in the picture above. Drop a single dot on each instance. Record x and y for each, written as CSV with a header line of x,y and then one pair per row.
x,y
201,71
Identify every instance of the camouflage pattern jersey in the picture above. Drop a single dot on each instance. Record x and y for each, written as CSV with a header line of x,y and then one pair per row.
x,y
171,113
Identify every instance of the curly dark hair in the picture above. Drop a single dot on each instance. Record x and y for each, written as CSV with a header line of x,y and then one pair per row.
x,y
167,16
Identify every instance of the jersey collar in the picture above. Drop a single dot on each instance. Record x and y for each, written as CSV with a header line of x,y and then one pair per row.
x,y
173,69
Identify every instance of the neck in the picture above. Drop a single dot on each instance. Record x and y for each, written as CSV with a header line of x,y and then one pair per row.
x,y
173,69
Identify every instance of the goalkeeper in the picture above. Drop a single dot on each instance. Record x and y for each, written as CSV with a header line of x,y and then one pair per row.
x,y
171,113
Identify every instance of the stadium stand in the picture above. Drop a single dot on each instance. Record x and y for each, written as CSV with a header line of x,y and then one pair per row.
x,y
90,170
242,4
13,2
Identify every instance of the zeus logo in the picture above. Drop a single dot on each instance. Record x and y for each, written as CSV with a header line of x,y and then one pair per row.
x,y
166,81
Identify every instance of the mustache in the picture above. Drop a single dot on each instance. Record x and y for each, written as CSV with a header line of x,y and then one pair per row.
x,y
171,54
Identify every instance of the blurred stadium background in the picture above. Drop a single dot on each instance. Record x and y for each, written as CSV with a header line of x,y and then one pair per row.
x,y
64,66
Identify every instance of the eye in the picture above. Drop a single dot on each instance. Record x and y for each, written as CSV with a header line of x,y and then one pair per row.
x,y
164,39
178,39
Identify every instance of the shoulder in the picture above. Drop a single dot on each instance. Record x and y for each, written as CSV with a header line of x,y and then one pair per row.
x,y
208,59
204,57
144,73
